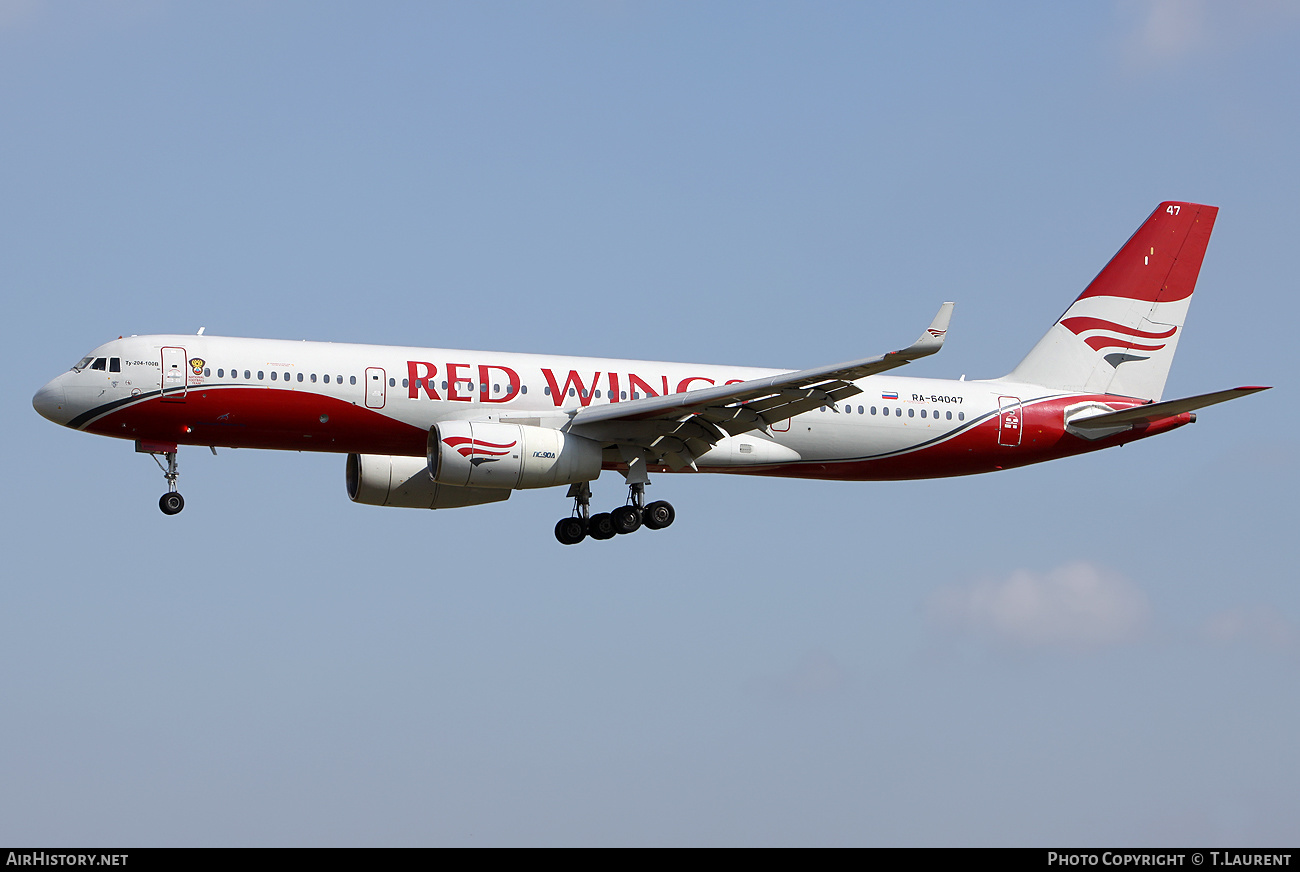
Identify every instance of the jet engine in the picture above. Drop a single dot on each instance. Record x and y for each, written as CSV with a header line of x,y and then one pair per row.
x,y
494,455
381,480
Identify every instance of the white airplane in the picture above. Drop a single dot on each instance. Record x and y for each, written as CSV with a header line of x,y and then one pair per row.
x,y
437,428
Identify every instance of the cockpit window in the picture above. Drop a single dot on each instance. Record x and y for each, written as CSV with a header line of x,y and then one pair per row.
x,y
85,362
115,364
98,364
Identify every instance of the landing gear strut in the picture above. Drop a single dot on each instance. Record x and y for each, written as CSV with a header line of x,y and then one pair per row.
x,y
573,529
171,502
606,525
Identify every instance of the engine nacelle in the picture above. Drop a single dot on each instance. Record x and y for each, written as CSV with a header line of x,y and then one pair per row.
x,y
492,455
381,480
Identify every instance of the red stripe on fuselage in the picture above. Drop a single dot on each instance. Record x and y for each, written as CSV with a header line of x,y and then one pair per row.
x,y
240,417
976,449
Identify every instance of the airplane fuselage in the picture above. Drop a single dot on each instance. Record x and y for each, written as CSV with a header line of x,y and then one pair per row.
x,y
369,399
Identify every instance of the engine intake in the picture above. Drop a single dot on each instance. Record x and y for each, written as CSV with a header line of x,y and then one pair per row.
x,y
493,455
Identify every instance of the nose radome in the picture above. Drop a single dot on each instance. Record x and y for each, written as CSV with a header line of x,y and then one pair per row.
x,y
52,403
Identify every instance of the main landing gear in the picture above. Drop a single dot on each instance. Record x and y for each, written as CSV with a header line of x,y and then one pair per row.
x,y
171,502
606,525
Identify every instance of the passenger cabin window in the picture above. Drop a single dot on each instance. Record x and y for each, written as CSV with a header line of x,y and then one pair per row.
x,y
259,374
207,371
313,378
352,379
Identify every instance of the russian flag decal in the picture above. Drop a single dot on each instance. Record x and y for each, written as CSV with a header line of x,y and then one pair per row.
x,y
889,395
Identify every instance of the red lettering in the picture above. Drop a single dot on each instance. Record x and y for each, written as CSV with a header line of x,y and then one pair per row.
x,y
574,380
734,381
635,381
453,376
417,381
512,384
613,387
685,384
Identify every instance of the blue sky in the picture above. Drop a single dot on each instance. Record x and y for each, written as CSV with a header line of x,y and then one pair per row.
x,y
1099,651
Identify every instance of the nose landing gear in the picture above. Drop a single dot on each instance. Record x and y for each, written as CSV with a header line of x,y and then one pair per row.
x,y
171,502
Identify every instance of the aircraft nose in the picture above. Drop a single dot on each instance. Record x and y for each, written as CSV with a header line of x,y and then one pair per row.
x,y
52,402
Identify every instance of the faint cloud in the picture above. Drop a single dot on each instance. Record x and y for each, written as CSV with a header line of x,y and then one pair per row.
x,y
816,675
1164,32
1168,29
1261,626
1073,606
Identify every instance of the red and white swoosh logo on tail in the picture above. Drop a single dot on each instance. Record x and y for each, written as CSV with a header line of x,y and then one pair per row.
x,y
477,450
1119,335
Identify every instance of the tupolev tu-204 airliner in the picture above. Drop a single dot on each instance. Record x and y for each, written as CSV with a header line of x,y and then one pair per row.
x,y
435,428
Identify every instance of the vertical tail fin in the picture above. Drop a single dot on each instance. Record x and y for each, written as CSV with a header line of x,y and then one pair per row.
x,y
1119,336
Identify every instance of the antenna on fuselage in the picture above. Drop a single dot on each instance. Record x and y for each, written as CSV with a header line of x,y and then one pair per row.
x,y
201,329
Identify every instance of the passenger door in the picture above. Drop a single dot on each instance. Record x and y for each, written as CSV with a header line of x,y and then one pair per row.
x,y
376,389
174,364
1009,423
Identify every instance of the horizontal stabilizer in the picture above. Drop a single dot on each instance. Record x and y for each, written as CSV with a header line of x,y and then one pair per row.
x,y
1152,412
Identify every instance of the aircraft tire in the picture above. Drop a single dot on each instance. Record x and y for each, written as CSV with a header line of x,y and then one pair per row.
x,y
601,526
659,514
626,519
570,531
171,503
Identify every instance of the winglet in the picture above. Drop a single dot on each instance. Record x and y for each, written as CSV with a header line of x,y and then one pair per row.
x,y
932,339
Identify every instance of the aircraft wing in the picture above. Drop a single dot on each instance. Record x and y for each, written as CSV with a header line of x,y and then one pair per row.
x,y
678,428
